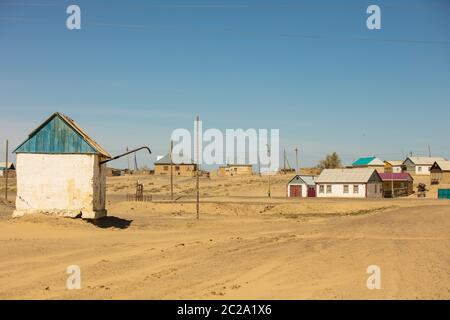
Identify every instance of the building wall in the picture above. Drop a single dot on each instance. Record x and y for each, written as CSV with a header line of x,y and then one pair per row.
x,y
99,184
397,169
374,190
337,190
439,176
61,184
392,169
185,170
422,170
445,177
411,168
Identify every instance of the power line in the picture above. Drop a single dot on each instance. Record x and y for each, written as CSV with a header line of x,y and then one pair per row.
x,y
246,33
297,6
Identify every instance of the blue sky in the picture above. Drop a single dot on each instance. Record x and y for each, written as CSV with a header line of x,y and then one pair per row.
x,y
137,70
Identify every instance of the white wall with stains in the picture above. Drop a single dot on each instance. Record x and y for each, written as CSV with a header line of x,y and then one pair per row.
x,y
60,184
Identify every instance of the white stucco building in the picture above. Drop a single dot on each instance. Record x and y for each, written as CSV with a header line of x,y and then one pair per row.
x,y
59,171
349,183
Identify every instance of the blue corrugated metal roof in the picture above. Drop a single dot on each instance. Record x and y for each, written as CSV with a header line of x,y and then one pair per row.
x,y
363,161
57,135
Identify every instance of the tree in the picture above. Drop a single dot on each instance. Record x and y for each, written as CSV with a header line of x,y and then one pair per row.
x,y
331,161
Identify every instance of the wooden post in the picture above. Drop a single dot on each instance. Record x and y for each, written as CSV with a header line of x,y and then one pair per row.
x,y
198,168
171,170
6,172
296,161
392,185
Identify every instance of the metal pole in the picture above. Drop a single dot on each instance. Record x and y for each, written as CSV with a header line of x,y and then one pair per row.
x,y
268,153
6,172
128,157
171,171
198,168
296,160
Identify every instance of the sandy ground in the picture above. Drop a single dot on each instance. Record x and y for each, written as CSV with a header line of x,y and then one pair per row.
x,y
244,246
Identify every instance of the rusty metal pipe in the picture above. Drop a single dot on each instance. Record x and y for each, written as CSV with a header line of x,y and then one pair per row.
x,y
126,153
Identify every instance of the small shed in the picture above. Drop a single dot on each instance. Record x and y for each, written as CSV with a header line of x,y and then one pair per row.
x,y
60,171
349,183
301,186
440,172
401,183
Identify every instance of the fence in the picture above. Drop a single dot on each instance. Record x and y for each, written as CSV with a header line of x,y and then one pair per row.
x,y
139,194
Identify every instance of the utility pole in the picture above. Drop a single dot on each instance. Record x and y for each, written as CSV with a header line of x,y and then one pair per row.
x,y
171,170
284,160
135,163
296,160
198,168
128,158
268,154
6,172
429,151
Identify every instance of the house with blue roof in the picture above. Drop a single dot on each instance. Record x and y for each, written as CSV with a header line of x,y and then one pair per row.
x,y
369,162
61,171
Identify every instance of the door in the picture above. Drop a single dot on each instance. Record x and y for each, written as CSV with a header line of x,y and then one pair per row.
x,y
311,192
295,191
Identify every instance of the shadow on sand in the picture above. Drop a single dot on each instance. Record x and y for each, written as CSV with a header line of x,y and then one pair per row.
x,y
111,222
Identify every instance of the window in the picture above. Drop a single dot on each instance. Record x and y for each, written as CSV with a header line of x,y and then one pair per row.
x,y
355,188
376,188
419,169
345,188
177,168
329,188
321,188
166,168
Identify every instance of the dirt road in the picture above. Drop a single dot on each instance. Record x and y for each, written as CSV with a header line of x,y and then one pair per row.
x,y
144,255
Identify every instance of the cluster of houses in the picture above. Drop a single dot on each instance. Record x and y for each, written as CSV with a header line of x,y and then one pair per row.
x,y
62,170
370,177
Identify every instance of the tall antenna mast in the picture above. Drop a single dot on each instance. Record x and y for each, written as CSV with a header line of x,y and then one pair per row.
x,y
198,168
